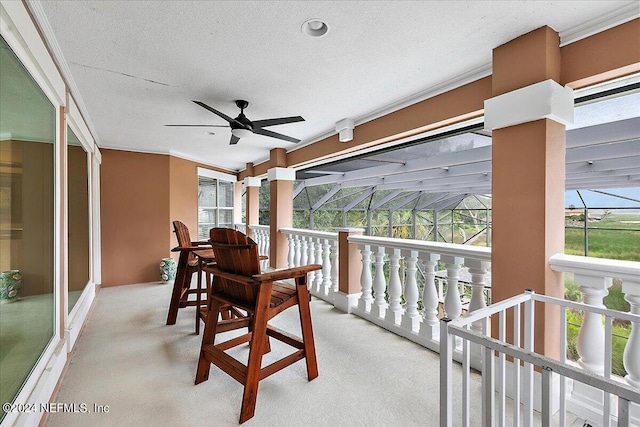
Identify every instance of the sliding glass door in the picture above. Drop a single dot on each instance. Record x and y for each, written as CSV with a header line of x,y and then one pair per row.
x,y
27,141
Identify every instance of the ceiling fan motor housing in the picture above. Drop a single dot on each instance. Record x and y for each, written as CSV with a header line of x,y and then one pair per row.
x,y
242,119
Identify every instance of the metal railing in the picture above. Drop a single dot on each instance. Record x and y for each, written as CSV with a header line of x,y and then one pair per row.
x,y
521,349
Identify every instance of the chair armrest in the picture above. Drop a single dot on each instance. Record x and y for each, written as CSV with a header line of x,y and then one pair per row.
x,y
288,273
234,277
187,249
201,243
206,254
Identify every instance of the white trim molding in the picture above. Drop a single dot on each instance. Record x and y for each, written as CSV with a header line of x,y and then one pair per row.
x,y
216,175
20,33
545,99
252,181
78,126
281,174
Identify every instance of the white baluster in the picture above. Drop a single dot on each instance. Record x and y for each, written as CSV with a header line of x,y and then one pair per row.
x,y
326,267
452,304
334,265
364,303
267,245
430,301
319,278
292,250
411,318
312,260
296,257
303,251
260,236
379,285
394,313
590,340
478,271
632,350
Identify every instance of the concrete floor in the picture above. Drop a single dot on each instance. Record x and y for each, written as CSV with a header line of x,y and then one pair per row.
x,y
129,362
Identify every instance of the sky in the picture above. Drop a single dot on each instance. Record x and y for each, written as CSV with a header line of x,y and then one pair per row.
x,y
594,199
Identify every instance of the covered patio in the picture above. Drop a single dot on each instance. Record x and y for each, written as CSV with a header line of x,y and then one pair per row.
x,y
103,147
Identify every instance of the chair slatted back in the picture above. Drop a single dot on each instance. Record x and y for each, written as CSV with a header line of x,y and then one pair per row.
x,y
238,254
184,240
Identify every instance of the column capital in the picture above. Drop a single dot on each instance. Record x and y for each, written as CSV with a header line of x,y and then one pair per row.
x,y
351,230
545,99
281,174
252,181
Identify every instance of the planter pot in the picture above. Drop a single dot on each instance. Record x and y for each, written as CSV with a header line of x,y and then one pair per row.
x,y
10,285
167,270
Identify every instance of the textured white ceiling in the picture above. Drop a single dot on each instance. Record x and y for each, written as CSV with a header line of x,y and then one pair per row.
x,y
138,64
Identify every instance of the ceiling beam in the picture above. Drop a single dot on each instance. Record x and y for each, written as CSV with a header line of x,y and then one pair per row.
x,y
298,189
329,194
431,201
384,200
359,199
406,200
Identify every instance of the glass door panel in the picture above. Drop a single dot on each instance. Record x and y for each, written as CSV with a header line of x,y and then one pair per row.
x,y
78,214
27,136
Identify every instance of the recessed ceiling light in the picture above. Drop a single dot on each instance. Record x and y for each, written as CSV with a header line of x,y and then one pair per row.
x,y
315,28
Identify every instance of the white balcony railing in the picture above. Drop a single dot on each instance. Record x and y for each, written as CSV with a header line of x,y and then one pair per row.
x,y
315,247
401,290
262,236
594,276
412,266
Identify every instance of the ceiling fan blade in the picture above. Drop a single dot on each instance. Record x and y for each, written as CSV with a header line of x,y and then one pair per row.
x,y
280,121
234,140
216,112
265,132
200,126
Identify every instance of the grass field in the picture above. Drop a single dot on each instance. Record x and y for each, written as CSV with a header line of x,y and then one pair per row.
x,y
622,243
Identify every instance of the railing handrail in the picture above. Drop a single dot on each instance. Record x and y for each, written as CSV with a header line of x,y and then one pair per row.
x,y
597,267
259,227
309,233
518,299
608,385
450,249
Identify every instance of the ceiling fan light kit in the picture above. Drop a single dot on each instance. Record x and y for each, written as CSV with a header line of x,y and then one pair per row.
x,y
241,133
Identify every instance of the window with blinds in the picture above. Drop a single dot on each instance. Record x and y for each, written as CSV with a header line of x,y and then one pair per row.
x,y
215,205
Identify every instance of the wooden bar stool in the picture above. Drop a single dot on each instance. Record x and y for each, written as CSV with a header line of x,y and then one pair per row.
x,y
193,256
237,282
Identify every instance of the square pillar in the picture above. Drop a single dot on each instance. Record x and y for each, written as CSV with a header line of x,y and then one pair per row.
x,y
281,213
349,270
252,188
527,116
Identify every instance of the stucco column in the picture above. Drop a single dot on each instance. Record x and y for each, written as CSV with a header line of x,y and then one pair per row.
x,y
528,114
281,213
252,187
349,270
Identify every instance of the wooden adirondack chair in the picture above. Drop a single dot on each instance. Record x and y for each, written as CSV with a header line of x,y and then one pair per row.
x,y
237,281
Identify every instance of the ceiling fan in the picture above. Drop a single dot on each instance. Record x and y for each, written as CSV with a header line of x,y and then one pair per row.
x,y
242,127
